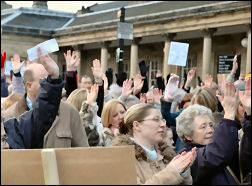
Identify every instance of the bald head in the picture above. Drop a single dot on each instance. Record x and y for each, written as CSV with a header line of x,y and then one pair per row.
x,y
32,74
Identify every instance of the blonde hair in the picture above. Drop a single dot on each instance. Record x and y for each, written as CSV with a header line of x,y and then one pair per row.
x,y
11,99
107,111
136,113
205,96
77,97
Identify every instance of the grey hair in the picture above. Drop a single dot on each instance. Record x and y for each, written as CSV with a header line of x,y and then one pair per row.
x,y
132,100
185,121
115,91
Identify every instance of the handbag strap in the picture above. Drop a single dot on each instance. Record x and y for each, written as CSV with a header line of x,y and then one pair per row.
x,y
233,175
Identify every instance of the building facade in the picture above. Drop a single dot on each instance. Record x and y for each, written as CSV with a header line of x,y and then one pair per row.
x,y
212,29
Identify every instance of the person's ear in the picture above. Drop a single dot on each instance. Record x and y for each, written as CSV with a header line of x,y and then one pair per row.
x,y
188,137
28,85
136,126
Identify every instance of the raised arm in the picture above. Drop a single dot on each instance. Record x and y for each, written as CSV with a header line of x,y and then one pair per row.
x,y
220,151
72,62
17,80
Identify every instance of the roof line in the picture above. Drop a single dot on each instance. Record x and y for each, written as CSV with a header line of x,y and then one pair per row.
x,y
9,18
149,15
8,11
46,12
69,22
118,8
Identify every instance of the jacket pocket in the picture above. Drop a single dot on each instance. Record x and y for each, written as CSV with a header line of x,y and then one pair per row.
x,y
64,139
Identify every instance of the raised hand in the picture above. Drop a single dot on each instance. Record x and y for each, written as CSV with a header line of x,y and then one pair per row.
x,y
126,89
16,65
190,76
105,80
230,101
171,88
235,65
138,84
72,60
92,95
208,81
49,64
246,97
157,94
143,98
97,70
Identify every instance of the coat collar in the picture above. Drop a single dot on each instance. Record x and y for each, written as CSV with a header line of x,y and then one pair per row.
x,y
21,106
164,151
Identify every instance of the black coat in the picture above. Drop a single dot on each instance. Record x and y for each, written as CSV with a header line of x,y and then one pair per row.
x,y
29,131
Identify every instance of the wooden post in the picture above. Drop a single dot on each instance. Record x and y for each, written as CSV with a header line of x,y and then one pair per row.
x,y
50,167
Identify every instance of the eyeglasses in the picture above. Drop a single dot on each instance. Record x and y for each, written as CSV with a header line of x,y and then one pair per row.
x,y
4,139
155,119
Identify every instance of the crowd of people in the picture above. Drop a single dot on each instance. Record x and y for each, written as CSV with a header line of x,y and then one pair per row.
x,y
181,134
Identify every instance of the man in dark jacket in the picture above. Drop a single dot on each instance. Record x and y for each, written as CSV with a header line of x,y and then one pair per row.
x,y
29,131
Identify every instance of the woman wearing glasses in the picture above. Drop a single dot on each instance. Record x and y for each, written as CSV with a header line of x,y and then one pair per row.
x,y
145,130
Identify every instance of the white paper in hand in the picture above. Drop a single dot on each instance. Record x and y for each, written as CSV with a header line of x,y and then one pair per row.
x,y
46,47
178,54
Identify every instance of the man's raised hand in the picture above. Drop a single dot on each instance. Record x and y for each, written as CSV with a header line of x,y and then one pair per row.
x,y
49,64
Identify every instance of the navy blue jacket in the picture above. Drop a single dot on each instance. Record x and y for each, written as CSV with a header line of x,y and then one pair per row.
x,y
245,146
169,116
29,131
4,87
209,167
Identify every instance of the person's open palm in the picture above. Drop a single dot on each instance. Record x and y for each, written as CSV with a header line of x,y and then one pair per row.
x,y
96,69
16,65
157,94
246,96
49,64
92,94
230,100
138,84
126,89
72,60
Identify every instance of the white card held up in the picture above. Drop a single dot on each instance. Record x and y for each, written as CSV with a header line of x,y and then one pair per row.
x,y
46,47
178,54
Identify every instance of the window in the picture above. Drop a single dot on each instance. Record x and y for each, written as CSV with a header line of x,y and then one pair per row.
x,y
154,67
191,62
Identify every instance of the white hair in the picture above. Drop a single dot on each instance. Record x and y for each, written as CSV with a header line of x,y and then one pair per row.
x,y
185,121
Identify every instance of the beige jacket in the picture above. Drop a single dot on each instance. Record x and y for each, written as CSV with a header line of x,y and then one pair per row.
x,y
154,172
66,130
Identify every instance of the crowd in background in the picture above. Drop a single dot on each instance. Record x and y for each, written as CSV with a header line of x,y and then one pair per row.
x,y
181,134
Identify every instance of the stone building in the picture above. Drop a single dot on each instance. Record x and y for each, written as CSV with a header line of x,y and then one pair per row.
x,y
212,29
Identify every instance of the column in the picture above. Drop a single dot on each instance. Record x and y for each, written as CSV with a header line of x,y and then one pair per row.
x,y
134,68
248,61
104,55
167,68
78,49
207,51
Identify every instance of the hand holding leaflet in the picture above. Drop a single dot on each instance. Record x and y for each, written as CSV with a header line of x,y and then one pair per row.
x,y
46,47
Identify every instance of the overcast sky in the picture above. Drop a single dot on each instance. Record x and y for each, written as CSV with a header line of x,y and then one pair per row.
x,y
68,6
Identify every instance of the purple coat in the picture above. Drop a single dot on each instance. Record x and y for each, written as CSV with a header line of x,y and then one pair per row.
x,y
209,167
